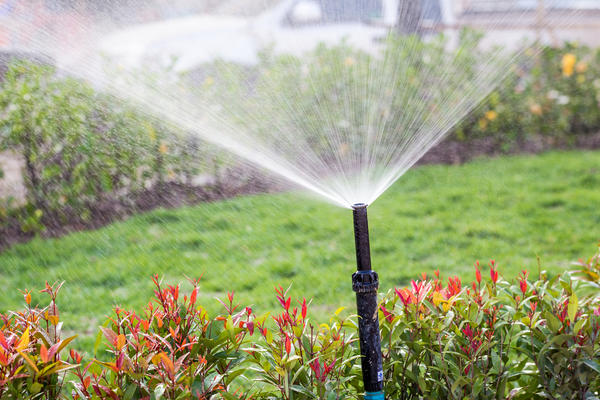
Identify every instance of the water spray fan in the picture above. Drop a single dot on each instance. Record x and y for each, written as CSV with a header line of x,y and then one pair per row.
x,y
365,283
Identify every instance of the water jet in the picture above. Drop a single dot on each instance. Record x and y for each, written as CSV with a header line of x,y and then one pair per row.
x,y
365,283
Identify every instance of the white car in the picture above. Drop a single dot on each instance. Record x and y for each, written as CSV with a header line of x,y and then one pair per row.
x,y
293,27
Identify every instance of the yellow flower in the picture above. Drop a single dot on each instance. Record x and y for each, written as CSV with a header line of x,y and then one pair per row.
x,y
163,148
568,64
535,109
483,123
581,67
437,298
209,81
491,115
446,306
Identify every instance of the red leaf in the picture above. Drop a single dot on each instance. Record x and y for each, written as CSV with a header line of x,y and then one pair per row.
x,y
119,363
3,359
288,344
97,390
44,354
3,341
304,309
110,335
52,351
388,315
193,296
250,326
109,392
173,333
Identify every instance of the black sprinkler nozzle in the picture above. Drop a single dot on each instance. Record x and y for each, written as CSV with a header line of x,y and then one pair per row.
x,y
361,237
365,283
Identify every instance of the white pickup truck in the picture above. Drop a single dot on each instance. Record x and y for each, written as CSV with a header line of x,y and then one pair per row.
x,y
292,26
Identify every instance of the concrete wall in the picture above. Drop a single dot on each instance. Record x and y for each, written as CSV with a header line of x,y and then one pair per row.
x,y
12,183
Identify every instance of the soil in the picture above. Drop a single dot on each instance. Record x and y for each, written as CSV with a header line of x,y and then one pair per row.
x,y
172,195
166,195
458,152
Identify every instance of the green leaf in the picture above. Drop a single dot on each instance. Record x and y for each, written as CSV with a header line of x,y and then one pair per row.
x,y
593,365
99,337
422,384
553,323
269,337
64,343
36,387
231,376
572,309
130,392
578,325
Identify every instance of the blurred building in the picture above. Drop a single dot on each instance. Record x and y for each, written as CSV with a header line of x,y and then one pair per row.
x,y
551,21
43,24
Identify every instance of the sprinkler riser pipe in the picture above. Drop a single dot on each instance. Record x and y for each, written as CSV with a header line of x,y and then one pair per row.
x,y
361,237
365,282
368,329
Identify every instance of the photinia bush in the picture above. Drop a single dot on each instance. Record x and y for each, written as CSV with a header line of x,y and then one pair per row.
x,y
534,338
296,360
30,351
491,339
83,150
172,350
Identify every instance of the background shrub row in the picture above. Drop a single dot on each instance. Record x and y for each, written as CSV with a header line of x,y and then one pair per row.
x,y
558,97
536,338
87,155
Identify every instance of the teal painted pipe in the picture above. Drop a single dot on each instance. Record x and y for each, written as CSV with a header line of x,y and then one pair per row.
x,y
374,396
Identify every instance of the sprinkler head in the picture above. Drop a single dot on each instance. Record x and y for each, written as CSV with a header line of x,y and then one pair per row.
x,y
361,237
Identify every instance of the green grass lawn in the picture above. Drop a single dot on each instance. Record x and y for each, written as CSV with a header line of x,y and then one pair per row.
x,y
436,217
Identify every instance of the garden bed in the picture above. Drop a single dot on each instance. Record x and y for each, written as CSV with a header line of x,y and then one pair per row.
x,y
535,337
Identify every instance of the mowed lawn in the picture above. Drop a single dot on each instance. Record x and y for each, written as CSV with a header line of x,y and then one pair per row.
x,y
511,209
